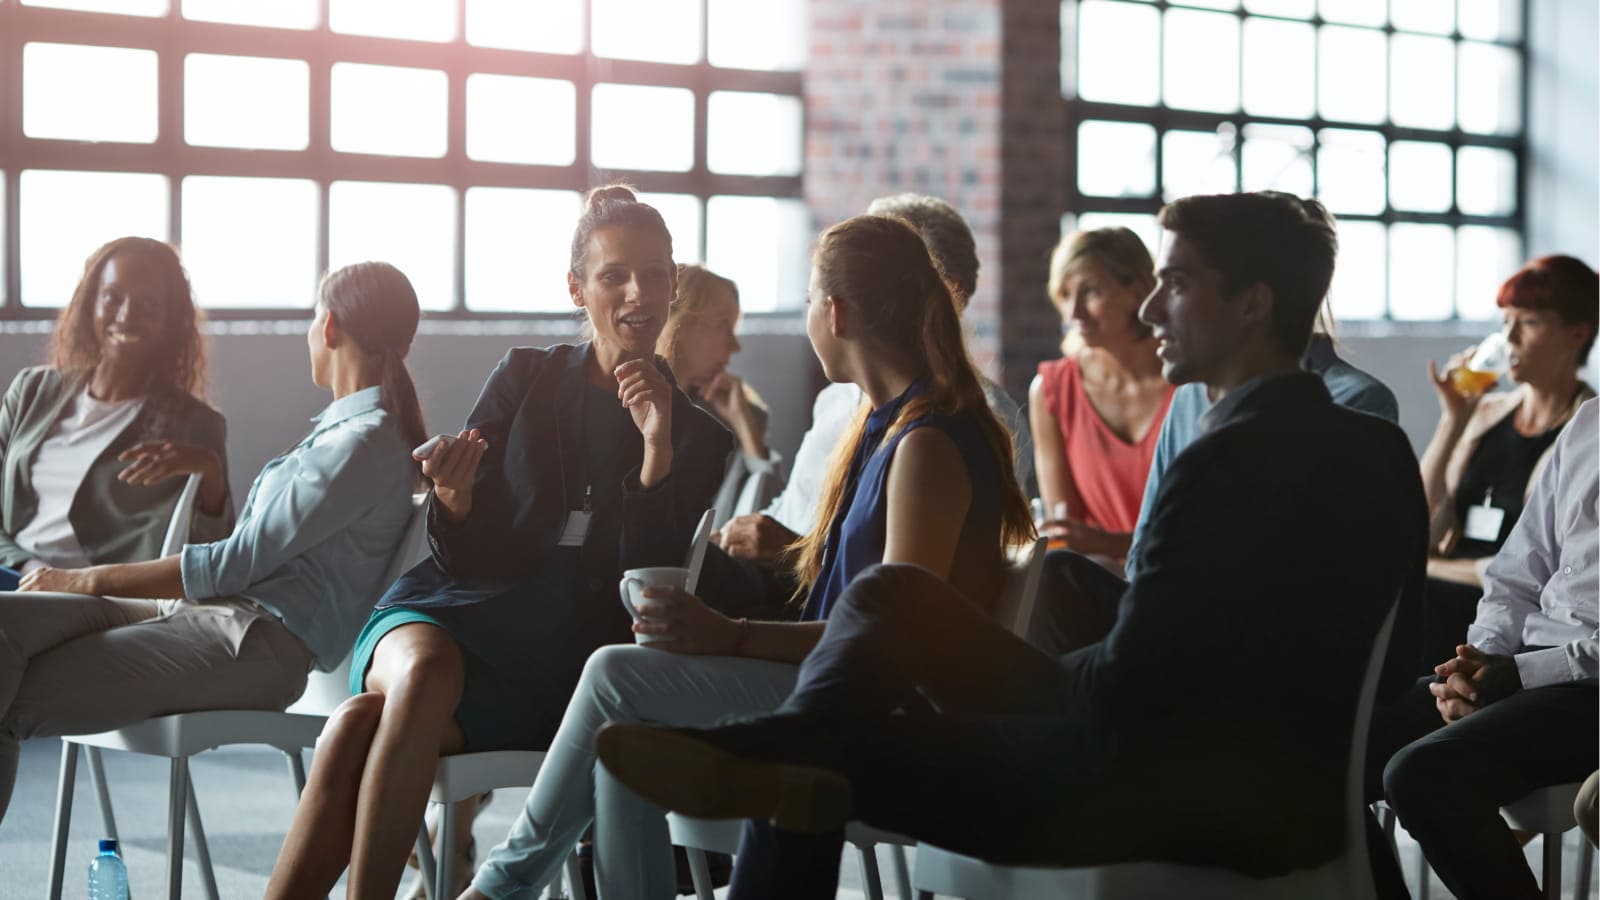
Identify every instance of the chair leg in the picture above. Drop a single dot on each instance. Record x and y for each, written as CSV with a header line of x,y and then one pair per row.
x,y
700,871
1585,868
58,843
177,793
297,771
871,879
102,789
425,861
202,851
1552,865
445,856
902,873
575,877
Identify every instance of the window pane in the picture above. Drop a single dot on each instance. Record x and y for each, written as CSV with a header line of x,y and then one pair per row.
x,y
1431,16
521,120
1486,181
1354,12
409,225
418,20
277,14
267,258
1209,4
1293,9
1277,158
1142,225
549,26
1490,20
1421,271
389,110
638,127
1422,91
1197,162
1360,273
1419,176
682,214
763,244
1351,73
239,101
1485,257
655,30
753,134
1278,73
519,247
766,35
1350,171
88,93
1116,159
1491,89
125,7
57,237
1201,61
1119,57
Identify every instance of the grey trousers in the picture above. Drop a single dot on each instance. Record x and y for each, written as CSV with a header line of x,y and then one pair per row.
x,y
72,664
633,853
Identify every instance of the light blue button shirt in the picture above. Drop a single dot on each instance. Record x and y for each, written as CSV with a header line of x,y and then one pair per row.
x,y
1349,386
316,534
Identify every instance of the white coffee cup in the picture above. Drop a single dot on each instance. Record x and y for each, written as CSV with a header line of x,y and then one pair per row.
x,y
634,581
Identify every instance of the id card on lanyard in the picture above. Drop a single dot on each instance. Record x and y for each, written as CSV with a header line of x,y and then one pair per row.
x,y
1484,520
578,523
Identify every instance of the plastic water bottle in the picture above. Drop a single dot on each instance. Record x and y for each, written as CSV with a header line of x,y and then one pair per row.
x,y
108,877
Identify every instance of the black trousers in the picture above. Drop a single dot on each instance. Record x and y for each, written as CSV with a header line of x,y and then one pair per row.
x,y
1448,785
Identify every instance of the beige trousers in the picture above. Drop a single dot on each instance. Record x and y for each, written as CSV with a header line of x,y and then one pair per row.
x,y
71,664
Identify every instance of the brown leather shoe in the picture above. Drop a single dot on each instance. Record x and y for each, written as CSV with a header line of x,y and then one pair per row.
x,y
687,775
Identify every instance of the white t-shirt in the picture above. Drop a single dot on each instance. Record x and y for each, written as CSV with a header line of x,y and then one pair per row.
x,y
84,431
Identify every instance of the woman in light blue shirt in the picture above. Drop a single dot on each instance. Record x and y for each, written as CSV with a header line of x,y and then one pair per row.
x,y
287,590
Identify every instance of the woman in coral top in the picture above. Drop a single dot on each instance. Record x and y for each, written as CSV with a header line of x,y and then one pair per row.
x,y
1097,411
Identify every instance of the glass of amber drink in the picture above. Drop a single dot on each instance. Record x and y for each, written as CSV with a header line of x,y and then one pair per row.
x,y
1484,368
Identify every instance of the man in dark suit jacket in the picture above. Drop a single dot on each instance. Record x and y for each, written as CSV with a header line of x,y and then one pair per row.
x,y
1210,726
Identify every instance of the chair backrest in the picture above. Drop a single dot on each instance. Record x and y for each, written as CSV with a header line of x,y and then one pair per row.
x,y
182,515
1358,867
326,690
1021,593
758,491
695,559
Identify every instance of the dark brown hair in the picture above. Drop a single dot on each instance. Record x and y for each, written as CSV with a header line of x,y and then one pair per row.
x,y
375,306
181,363
613,206
1270,238
881,269
1559,283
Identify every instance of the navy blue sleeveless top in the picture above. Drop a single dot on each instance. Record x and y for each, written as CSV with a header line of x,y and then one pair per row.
x,y
857,534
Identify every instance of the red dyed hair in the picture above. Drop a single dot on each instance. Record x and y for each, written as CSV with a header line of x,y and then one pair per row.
x,y
1560,283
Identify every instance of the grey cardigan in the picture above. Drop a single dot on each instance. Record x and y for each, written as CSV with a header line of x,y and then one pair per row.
x,y
115,522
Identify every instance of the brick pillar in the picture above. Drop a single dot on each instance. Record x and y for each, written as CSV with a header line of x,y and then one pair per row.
x,y
959,99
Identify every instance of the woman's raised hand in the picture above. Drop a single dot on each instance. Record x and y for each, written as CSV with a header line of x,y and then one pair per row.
x,y
1453,403
645,392
451,466
153,461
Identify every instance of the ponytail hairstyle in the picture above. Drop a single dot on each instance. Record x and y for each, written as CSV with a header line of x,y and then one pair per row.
x,y
613,206
376,307
880,268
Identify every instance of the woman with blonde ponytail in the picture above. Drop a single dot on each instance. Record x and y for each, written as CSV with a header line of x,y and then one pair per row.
x,y
925,478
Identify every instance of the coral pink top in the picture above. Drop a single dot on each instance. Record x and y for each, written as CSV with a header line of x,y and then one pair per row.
x,y
1105,474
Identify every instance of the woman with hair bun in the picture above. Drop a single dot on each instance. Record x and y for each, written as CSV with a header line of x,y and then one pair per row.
x,y
256,610
95,446
577,463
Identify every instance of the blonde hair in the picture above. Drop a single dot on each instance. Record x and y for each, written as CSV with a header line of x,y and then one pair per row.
x,y
881,269
1116,251
697,287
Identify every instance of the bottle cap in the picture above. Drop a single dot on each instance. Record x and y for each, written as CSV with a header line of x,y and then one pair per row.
x,y
108,845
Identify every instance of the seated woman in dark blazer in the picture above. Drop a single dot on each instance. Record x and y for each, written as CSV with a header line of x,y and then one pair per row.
x,y
90,444
577,463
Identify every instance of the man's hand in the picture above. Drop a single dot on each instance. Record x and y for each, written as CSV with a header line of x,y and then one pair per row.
x,y
758,538
1473,680
63,581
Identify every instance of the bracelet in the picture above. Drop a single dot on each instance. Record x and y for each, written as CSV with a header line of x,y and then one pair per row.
x,y
738,638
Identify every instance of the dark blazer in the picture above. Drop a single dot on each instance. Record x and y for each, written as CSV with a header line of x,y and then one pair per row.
x,y
115,522
1277,542
531,475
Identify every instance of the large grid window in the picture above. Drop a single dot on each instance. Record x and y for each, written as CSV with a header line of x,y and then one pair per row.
x,y
272,141
1404,117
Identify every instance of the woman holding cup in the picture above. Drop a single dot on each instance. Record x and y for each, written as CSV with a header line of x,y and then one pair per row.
x,y
1489,446
924,476
578,462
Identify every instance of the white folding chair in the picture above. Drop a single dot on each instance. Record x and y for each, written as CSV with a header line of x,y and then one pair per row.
x,y
182,516
1548,812
1347,877
1020,597
180,736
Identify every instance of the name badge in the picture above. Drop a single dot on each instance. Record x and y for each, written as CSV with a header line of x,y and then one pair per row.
x,y
577,529
1483,523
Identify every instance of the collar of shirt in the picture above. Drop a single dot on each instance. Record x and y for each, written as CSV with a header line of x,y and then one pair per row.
x,y
1261,393
879,420
346,407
